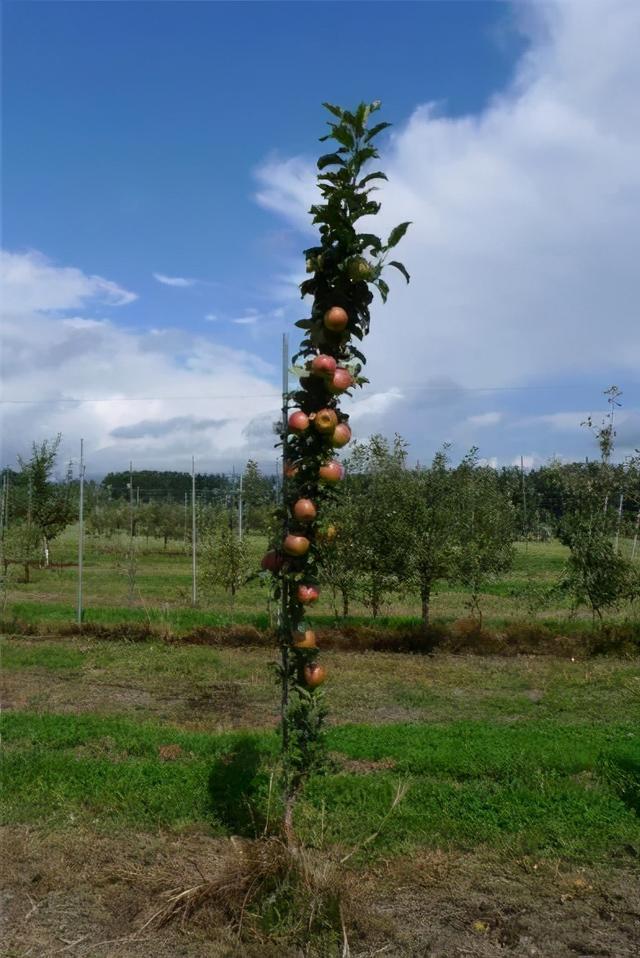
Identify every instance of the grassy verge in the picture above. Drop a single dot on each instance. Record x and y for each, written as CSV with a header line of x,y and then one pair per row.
x,y
533,789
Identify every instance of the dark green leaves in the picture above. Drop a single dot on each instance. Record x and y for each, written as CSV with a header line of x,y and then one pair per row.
x,y
396,234
336,110
401,267
330,159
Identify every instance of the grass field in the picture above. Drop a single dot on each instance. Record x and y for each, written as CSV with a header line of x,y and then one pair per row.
x,y
128,766
161,592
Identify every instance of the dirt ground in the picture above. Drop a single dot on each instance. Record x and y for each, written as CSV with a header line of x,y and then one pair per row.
x,y
88,895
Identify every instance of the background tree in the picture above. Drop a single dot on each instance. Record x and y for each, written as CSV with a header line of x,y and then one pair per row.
x,y
596,574
50,506
429,501
258,496
380,517
22,544
484,527
224,561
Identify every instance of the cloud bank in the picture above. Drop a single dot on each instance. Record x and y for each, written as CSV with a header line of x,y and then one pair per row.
x,y
157,397
526,228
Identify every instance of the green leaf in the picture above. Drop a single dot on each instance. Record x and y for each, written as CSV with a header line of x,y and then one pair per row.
x,y
336,110
378,128
362,115
304,323
358,354
330,159
384,289
369,239
397,233
344,136
402,269
372,176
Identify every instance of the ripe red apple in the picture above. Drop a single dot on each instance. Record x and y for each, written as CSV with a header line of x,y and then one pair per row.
x,y
335,319
272,561
305,640
323,365
341,380
296,545
298,422
308,594
341,435
325,421
304,510
290,469
314,674
331,472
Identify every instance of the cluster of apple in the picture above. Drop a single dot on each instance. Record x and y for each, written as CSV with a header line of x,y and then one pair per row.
x,y
315,432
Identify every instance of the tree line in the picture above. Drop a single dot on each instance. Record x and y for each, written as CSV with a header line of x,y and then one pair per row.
x,y
395,529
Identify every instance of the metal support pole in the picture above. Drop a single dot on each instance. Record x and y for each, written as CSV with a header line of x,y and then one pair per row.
x,y
81,534
619,523
635,538
524,500
194,588
131,499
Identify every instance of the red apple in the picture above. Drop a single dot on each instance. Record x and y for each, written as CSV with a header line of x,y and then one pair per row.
x,y
298,422
331,472
290,469
335,319
308,594
341,435
342,380
296,545
323,365
314,674
304,510
272,561
325,421
305,640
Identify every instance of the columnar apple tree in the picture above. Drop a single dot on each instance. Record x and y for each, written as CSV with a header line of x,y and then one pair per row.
x,y
343,268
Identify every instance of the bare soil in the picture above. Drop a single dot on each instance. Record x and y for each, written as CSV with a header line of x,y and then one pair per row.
x,y
88,895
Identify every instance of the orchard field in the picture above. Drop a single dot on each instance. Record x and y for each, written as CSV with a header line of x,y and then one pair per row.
x,y
518,833
157,590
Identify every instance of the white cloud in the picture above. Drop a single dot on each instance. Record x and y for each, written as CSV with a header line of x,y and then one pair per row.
x,y
485,419
30,281
180,281
211,318
526,223
169,393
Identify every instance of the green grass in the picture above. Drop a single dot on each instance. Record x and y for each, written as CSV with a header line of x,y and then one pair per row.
x,y
163,579
535,788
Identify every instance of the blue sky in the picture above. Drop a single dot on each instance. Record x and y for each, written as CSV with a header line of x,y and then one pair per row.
x,y
175,140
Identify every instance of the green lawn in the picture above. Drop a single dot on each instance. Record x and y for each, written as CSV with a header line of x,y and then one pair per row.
x,y
542,789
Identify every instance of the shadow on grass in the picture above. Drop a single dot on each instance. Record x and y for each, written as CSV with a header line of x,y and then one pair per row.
x,y
240,786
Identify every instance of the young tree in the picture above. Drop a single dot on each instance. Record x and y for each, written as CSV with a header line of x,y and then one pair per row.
x,y
258,496
50,508
224,561
595,574
381,518
342,266
485,528
430,506
22,544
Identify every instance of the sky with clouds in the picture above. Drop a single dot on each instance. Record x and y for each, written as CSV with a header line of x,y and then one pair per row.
x,y
155,213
